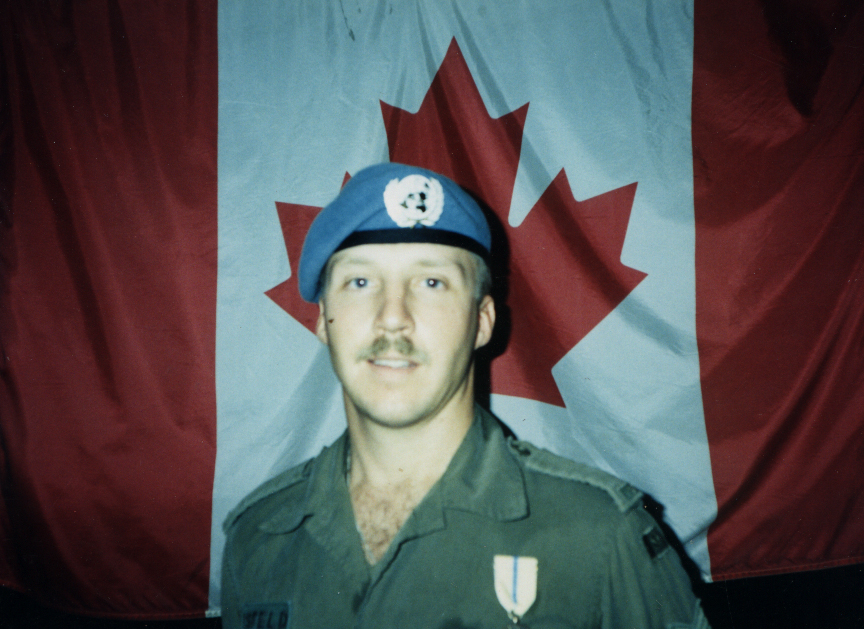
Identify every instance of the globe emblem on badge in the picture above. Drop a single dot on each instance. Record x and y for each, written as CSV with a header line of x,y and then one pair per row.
x,y
414,200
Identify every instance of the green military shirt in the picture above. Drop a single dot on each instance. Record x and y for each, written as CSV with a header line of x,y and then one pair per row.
x,y
294,558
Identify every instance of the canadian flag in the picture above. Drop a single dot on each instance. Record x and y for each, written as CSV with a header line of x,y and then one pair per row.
x,y
678,197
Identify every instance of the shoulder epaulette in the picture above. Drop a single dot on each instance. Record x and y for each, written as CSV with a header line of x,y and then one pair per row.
x,y
622,493
284,480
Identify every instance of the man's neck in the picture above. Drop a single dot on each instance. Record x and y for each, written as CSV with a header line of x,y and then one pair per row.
x,y
392,470
382,456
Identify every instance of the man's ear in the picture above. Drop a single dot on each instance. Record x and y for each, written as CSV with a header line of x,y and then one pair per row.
x,y
321,324
485,321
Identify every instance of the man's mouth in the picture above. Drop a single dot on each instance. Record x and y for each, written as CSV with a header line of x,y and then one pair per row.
x,y
393,363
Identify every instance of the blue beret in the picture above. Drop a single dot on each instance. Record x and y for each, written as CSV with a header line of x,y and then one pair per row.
x,y
392,203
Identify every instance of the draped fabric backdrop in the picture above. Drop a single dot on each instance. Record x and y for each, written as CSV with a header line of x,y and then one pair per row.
x,y
681,192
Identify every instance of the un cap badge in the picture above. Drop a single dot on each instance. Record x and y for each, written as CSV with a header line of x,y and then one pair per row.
x,y
414,200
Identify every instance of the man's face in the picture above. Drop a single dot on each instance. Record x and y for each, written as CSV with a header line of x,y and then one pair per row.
x,y
402,322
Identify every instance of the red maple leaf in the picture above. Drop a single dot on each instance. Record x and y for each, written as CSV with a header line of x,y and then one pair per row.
x,y
565,264
295,221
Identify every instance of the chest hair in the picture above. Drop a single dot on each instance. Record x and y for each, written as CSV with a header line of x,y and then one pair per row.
x,y
380,513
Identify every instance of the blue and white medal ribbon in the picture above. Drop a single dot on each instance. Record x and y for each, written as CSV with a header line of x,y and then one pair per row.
x,y
515,584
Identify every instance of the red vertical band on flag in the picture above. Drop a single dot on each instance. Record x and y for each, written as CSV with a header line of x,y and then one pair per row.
x,y
107,314
778,122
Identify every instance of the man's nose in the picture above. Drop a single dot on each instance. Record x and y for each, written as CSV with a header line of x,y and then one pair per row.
x,y
394,314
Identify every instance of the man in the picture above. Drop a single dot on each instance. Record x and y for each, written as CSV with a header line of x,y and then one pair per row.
x,y
423,514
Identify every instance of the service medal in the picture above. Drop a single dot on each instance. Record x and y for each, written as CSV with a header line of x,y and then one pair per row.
x,y
515,584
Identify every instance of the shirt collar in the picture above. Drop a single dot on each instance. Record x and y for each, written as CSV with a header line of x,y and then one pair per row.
x,y
324,492
483,477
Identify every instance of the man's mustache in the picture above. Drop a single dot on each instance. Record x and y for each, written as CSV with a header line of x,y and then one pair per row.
x,y
403,346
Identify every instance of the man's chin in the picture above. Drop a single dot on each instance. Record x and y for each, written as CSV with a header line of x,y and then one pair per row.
x,y
390,415
394,420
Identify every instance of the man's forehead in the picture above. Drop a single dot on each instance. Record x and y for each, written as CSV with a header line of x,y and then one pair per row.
x,y
402,255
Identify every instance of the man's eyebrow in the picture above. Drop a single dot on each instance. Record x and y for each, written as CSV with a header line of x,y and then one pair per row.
x,y
353,260
350,259
438,264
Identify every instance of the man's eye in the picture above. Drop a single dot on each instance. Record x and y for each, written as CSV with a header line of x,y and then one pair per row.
x,y
432,282
358,282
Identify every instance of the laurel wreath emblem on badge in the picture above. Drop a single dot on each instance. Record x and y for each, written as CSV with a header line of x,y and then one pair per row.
x,y
414,200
